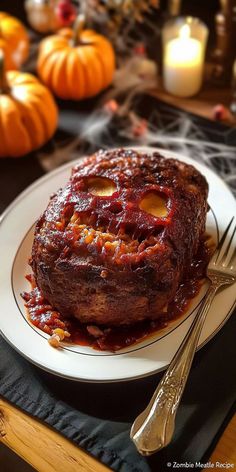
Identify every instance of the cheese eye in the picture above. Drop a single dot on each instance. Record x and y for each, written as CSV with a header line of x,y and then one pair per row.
x,y
155,204
100,186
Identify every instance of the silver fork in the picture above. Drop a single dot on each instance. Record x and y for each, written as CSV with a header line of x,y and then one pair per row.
x,y
154,427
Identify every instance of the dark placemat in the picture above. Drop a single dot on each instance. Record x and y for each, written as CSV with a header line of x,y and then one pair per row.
x,y
98,417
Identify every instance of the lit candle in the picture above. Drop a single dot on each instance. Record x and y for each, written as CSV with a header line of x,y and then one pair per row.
x,y
183,62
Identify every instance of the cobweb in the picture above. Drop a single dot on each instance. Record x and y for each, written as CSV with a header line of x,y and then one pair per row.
x,y
186,137
128,116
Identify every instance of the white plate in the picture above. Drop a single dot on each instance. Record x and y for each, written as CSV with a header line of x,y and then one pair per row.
x,y
81,362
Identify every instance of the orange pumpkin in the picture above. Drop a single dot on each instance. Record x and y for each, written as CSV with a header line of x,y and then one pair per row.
x,y
76,64
28,113
14,41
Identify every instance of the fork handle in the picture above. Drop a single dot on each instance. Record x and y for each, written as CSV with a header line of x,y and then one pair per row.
x,y
154,427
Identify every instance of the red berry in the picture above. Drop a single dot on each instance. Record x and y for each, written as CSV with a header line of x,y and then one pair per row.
x,y
66,12
111,106
220,112
140,129
140,49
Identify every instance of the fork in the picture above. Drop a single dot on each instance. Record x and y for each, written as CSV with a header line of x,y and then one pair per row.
x,y
154,427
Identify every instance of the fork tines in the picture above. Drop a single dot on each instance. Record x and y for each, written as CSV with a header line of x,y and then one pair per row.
x,y
221,253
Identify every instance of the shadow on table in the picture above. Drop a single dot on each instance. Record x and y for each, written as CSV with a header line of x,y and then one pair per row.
x,y
10,462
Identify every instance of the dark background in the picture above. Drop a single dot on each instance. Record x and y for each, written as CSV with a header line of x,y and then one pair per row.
x,y
204,9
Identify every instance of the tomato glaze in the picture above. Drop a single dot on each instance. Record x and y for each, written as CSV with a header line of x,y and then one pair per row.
x,y
42,315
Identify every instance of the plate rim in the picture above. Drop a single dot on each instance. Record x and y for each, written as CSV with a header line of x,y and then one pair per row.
x,y
69,165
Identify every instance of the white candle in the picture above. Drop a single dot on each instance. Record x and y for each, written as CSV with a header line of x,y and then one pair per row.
x,y
183,64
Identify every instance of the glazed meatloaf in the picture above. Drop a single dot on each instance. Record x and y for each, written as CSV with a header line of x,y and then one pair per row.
x,y
115,243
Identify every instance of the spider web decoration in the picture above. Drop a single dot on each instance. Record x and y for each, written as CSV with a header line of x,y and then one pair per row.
x,y
166,127
211,144
117,18
119,9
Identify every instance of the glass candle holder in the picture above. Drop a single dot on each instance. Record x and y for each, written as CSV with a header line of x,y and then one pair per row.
x,y
184,44
233,103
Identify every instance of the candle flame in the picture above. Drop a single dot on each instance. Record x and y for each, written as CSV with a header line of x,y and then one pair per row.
x,y
184,32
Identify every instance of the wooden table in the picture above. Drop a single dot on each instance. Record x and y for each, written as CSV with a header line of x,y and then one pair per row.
x,y
45,449
203,104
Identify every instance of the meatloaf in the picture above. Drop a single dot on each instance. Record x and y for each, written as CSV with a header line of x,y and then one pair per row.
x,y
116,242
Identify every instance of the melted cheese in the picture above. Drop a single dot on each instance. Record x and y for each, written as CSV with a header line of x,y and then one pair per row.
x,y
100,186
154,204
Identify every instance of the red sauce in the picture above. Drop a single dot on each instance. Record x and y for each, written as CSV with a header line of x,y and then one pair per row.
x,y
43,316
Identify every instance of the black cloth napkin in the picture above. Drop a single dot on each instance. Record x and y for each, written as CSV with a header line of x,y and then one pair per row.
x,y
98,417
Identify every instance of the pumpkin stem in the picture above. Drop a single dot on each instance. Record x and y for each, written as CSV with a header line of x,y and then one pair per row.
x,y
4,87
78,28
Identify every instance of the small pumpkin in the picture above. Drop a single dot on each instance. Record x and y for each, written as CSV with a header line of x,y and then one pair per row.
x,y
76,64
28,113
14,41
